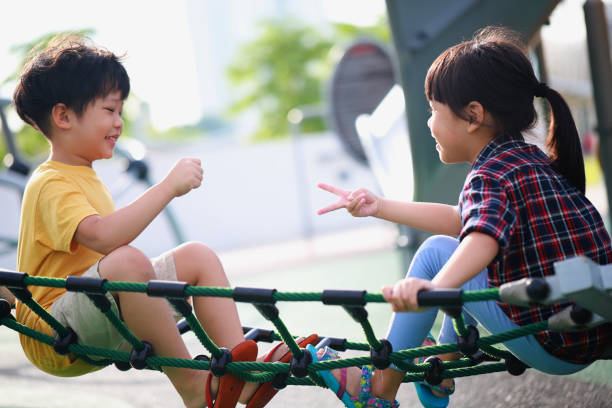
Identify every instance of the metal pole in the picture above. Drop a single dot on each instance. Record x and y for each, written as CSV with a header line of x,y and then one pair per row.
x,y
601,76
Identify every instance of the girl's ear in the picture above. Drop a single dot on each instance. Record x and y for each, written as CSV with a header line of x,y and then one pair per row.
x,y
476,114
61,116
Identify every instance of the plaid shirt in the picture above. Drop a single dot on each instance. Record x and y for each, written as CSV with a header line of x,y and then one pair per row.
x,y
513,194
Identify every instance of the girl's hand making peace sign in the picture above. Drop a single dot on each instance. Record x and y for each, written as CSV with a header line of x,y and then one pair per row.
x,y
360,203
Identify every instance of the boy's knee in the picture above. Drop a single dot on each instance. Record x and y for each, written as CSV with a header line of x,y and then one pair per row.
x,y
126,263
197,252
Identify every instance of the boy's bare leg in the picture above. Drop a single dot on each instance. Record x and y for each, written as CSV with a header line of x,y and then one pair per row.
x,y
151,320
198,265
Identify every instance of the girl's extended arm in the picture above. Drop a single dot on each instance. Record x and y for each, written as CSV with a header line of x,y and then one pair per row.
x,y
104,234
475,252
430,217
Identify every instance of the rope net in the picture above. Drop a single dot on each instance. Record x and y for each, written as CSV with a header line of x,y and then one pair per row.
x,y
481,356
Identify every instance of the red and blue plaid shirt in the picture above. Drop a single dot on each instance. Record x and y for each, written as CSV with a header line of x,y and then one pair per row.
x,y
513,194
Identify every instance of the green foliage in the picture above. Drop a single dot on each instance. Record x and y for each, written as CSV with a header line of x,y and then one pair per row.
x,y
287,66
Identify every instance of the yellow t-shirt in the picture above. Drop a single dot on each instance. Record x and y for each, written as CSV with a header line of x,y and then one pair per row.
x,y
57,198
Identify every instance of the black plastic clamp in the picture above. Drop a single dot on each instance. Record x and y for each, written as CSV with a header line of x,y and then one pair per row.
x,y
467,344
580,315
270,312
138,359
343,297
515,366
433,376
122,365
299,366
380,357
12,279
85,284
358,313
168,289
218,365
258,335
333,342
537,289
201,357
61,344
254,295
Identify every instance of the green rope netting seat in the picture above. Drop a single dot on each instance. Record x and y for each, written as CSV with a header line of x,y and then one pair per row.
x,y
481,353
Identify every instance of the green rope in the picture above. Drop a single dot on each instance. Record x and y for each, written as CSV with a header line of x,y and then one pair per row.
x,y
262,372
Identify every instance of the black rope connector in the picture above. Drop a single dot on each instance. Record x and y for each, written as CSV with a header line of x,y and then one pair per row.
x,y
168,289
5,309
515,366
467,344
580,315
433,376
270,312
537,289
254,295
138,358
12,279
258,335
218,365
358,313
336,343
61,344
122,365
101,301
380,357
343,297
299,366
85,284
280,381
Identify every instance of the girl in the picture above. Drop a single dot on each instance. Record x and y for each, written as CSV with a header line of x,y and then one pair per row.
x,y
519,212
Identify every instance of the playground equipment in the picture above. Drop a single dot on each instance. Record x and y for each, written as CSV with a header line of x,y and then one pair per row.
x,y
592,297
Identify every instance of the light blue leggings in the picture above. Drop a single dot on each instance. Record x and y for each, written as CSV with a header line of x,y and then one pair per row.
x,y
408,330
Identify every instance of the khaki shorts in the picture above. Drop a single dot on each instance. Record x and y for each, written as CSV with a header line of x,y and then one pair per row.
x,y
77,311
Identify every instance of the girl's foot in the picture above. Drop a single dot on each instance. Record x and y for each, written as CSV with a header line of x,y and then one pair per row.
x,y
353,386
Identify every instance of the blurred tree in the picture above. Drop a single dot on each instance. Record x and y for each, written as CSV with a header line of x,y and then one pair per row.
x,y
287,66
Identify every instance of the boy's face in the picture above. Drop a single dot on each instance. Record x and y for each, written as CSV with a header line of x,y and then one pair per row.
x,y
98,128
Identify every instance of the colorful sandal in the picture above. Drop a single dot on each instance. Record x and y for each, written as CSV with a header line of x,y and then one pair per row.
x,y
365,398
230,386
265,392
424,390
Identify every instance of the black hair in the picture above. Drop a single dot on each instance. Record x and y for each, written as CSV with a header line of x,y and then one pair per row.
x,y
69,71
493,69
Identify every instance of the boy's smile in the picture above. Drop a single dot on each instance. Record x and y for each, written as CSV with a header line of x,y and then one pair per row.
x,y
92,135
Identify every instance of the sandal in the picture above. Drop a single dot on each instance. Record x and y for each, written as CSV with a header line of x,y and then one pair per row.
x,y
365,399
424,390
230,386
265,392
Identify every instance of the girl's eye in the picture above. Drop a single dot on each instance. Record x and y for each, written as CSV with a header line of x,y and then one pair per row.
x,y
110,110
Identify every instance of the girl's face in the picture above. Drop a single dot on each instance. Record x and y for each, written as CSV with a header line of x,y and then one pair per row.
x,y
449,132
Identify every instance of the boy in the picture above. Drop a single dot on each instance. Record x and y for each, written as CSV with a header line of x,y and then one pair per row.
x,y
73,93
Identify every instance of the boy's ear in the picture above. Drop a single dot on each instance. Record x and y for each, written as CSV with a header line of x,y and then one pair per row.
x,y
61,116
476,114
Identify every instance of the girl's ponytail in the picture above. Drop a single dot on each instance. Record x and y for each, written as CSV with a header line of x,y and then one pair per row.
x,y
562,141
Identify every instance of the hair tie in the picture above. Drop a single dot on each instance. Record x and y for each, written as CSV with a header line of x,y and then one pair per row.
x,y
541,90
